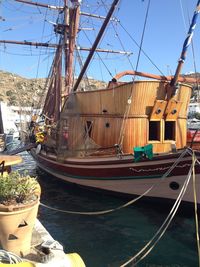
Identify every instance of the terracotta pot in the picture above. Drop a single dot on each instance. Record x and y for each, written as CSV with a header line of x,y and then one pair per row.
x,y
16,226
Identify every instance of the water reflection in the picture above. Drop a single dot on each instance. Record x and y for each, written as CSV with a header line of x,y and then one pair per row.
x,y
109,240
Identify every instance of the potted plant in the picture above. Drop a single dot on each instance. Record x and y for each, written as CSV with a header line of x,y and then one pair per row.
x,y
19,201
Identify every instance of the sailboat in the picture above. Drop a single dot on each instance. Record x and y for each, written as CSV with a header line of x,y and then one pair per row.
x,y
128,138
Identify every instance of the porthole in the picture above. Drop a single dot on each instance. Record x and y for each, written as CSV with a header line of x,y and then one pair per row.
x,y
174,185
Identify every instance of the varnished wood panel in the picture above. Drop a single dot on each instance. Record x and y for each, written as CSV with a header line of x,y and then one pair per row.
x,y
183,95
158,110
125,109
181,133
140,95
173,109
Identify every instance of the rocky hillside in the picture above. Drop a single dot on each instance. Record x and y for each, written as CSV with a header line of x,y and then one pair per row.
x,y
16,90
19,91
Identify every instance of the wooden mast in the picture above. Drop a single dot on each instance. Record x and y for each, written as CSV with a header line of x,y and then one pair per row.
x,y
39,4
71,20
37,44
66,43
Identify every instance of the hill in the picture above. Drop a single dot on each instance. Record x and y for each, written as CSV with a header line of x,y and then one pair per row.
x,y
19,91
16,90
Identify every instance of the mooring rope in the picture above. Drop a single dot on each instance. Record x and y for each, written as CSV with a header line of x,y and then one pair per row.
x,y
129,99
154,240
9,257
92,213
194,159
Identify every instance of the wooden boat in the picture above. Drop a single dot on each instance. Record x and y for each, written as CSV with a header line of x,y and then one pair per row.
x,y
107,167
123,139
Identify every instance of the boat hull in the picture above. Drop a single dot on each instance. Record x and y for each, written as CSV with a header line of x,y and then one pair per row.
x,y
124,176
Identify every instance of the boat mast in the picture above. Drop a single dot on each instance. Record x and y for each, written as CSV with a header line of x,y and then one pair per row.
x,y
100,34
66,23
185,48
39,4
71,21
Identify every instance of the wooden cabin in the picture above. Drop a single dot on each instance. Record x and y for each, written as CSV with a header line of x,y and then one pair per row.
x,y
133,114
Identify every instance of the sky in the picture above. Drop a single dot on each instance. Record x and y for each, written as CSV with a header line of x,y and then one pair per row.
x,y
165,30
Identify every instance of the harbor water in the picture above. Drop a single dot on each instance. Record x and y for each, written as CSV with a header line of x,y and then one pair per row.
x,y
110,240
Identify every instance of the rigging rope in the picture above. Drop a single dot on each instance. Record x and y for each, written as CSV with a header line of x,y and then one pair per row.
x,y
13,8
129,100
95,35
9,257
155,239
99,56
43,28
120,41
86,79
145,54
194,159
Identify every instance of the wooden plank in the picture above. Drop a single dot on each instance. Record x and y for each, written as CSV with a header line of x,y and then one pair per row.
x,y
158,110
173,109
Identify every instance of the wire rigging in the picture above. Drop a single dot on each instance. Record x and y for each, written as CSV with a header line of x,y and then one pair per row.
x,y
129,100
119,39
95,35
158,235
141,49
194,159
99,57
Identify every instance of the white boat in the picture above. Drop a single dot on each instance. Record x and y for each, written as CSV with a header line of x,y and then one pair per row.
x,y
193,124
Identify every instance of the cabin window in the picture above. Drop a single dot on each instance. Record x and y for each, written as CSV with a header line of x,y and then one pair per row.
x,y
154,131
170,130
88,128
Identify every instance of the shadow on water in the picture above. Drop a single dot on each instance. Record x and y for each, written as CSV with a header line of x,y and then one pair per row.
x,y
110,240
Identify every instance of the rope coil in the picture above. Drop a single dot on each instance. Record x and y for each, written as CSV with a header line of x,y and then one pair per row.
x,y
9,257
